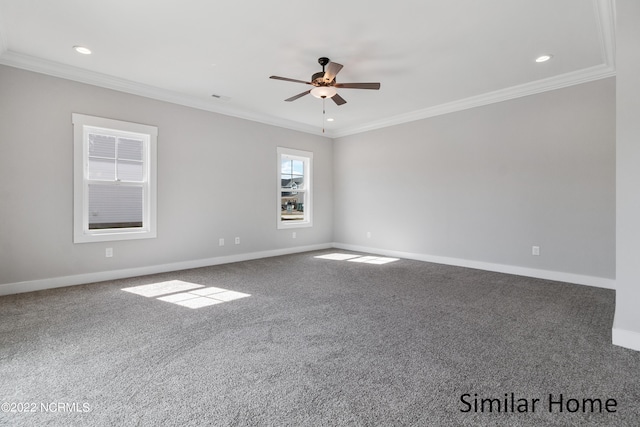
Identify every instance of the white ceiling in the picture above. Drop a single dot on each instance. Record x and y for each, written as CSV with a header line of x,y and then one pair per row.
x,y
431,57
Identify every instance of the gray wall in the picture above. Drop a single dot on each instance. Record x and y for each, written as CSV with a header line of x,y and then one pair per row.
x,y
483,184
488,183
627,321
216,178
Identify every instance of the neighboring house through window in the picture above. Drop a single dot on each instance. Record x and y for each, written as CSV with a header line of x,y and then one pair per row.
x,y
294,188
114,179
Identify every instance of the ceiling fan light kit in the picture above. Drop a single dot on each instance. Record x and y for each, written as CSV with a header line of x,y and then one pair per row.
x,y
324,91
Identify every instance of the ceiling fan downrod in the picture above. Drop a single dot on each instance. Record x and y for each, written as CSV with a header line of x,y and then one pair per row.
x,y
323,61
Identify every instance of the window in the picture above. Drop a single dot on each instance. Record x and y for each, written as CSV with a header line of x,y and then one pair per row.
x,y
294,188
114,180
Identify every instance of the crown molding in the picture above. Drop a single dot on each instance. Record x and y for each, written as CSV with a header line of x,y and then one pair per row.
x,y
539,86
604,11
56,69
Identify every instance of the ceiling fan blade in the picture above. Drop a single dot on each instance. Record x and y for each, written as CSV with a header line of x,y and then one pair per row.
x,y
332,71
286,79
338,99
374,86
300,95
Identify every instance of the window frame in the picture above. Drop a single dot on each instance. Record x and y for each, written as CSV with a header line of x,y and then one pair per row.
x,y
307,158
83,125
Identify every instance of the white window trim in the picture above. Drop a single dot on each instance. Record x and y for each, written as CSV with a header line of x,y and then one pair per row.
x,y
307,157
81,233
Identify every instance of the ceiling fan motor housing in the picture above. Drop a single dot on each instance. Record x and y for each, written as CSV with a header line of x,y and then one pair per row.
x,y
317,79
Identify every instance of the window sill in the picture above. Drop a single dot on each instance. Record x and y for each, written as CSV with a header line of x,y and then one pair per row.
x,y
293,224
113,236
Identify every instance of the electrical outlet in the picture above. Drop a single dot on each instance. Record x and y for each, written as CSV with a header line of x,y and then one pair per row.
x,y
535,250
237,240
368,234
221,242
293,235
108,252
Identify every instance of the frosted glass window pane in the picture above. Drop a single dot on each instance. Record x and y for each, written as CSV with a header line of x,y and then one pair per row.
x,y
130,171
102,146
115,206
102,169
130,149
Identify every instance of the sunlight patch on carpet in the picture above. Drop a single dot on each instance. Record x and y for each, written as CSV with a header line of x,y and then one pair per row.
x,y
196,296
162,288
358,258
207,291
374,260
199,302
337,256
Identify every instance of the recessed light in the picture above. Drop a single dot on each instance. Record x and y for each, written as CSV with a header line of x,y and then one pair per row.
x,y
83,50
329,119
544,58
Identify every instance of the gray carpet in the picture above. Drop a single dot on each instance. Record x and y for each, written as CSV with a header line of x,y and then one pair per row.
x,y
318,342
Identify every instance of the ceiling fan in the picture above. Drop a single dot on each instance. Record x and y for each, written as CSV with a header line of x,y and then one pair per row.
x,y
325,83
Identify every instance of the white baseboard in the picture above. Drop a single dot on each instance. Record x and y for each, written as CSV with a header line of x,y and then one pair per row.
x,y
625,338
599,282
80,279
